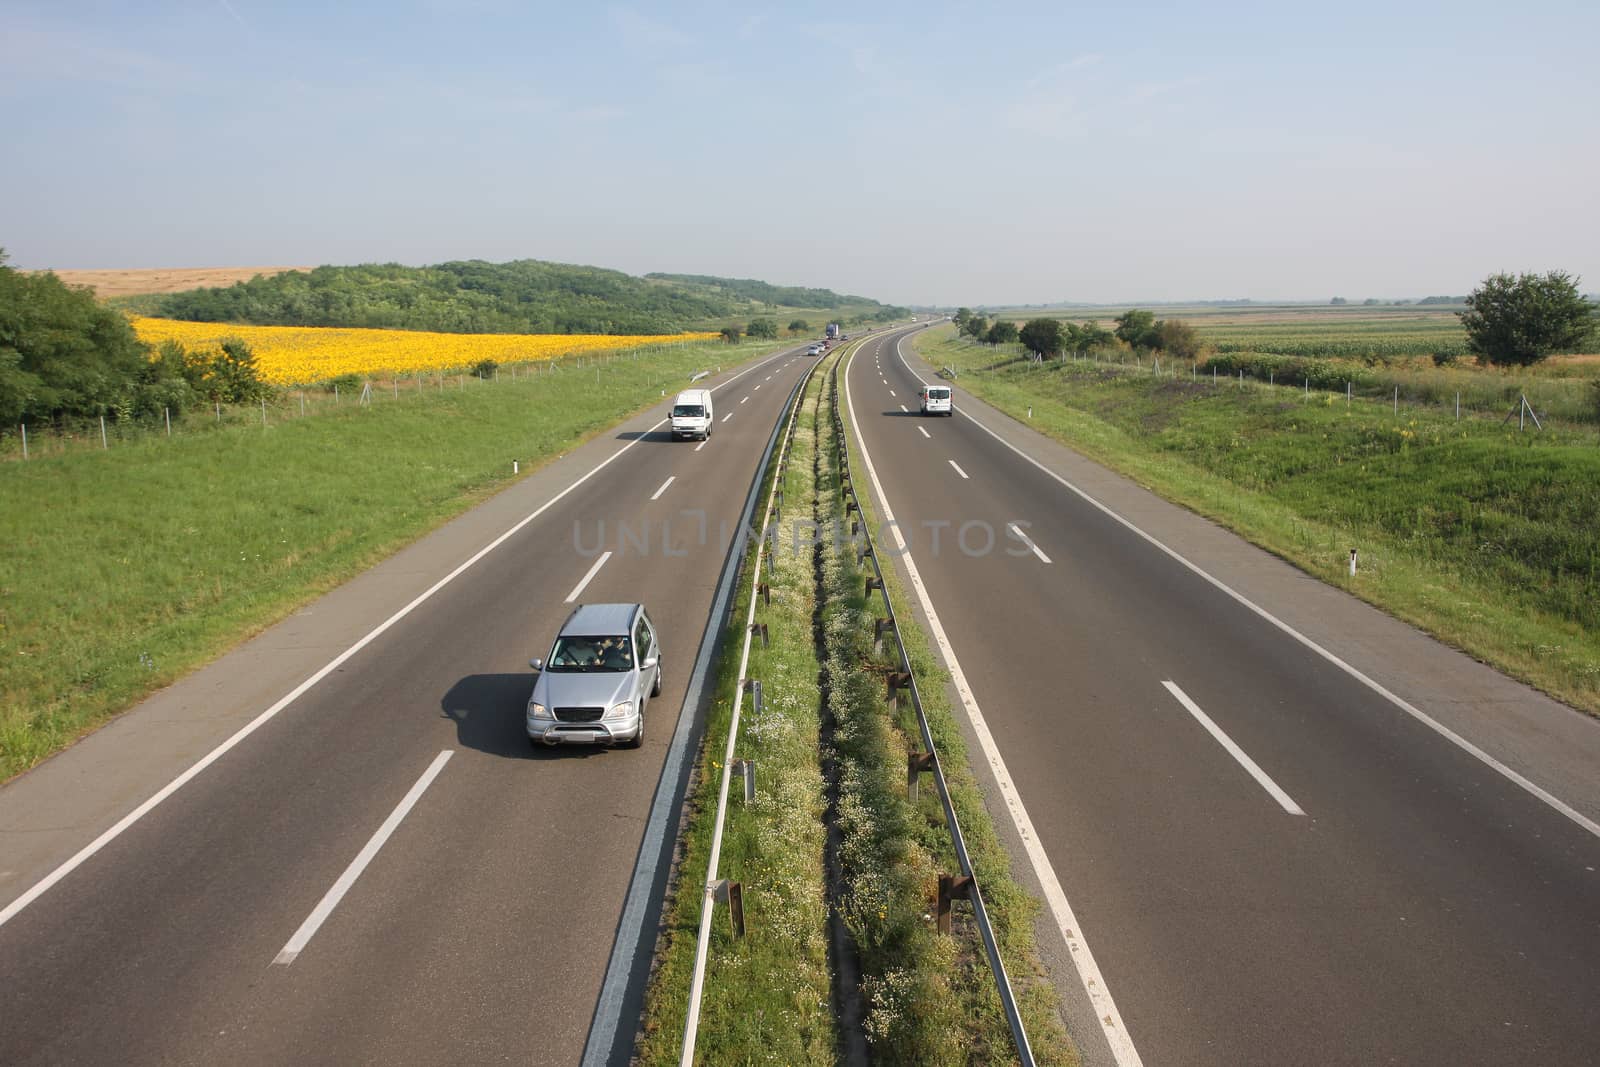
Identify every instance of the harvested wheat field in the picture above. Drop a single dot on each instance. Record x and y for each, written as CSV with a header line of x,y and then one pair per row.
x,y
109,283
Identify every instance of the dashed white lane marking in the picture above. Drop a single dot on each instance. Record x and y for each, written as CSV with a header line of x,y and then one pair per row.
x,y
1477,753
1261,777
905,409
577,590
957,466
116,830
728,416
670,479
893,393
336,892
1025,539
699,446
1094,983
746,400
923,431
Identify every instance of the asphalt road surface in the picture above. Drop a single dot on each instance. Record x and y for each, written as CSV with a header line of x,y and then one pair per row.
x,y
483,882
1271,862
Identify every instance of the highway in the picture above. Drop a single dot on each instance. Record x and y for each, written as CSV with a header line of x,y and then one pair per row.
x,y
1261,858
378,869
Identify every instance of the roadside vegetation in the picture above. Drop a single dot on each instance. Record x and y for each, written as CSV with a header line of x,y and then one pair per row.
x,y
1484,535
125,568
830,761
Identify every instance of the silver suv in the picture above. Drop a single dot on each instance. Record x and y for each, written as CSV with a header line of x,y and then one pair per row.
x,y
601,672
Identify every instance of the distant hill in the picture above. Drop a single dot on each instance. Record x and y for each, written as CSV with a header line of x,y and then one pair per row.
x,y
793,296
473,296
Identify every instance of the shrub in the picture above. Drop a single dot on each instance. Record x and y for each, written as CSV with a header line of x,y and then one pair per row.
x,y
485,368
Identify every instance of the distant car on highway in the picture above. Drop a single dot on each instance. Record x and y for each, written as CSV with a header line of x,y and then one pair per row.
x,y
816,349
602,671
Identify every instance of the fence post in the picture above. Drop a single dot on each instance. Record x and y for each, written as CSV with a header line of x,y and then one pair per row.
x,y
1458,405
103,432
24,427
166,413
263,413
1397,400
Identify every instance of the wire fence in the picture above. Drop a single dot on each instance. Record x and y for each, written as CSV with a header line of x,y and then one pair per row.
x,y
55,437
1536,401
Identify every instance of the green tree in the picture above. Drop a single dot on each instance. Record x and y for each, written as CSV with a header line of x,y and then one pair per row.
x,y
1001,333
61,353
1177,338
731,334
1338,301
799,326
1042,337
1137,328
1518,321
1086,337
766,329
975,327
960,318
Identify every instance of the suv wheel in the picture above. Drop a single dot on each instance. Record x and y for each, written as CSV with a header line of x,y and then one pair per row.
x,y
655,686
638,738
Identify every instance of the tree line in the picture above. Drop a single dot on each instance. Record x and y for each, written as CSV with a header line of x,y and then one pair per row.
x,y
64,355
1049,337
1511,320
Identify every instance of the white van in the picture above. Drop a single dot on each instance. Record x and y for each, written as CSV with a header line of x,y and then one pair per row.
x,y
935,400
692,414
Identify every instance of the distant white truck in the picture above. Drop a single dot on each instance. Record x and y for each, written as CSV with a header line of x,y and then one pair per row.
x,y
692,414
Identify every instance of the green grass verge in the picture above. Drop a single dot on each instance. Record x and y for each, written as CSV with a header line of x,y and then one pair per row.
x,y
767,996
932,997
1485,537
125,569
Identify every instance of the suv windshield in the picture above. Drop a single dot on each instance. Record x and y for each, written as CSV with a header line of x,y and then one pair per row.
x,y
688,411
591,655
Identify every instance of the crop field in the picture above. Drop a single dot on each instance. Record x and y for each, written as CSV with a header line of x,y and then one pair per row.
x,y
302,355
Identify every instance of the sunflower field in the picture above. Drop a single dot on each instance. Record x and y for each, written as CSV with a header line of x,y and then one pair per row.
x,y
301,355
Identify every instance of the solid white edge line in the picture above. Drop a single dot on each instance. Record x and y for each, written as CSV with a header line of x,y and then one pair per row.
x,y
1025,539
78,858
670,479
957,466
336,892
1262,778
924,432
583,582
1094,984
1371,683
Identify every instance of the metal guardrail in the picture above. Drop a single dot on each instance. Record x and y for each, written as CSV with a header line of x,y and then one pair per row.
x,y
717,890
966,883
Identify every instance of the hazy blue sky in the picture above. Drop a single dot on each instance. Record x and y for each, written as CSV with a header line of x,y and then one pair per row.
x,y
917,152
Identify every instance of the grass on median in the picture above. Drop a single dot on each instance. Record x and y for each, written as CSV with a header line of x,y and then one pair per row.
x,y
1483,536
125,569
934,997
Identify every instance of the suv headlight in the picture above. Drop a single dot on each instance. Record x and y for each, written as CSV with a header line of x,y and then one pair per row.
x,y
620,711
538,711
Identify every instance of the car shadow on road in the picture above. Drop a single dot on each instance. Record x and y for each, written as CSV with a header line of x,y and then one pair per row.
x,y
488,711
645,435
905,414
